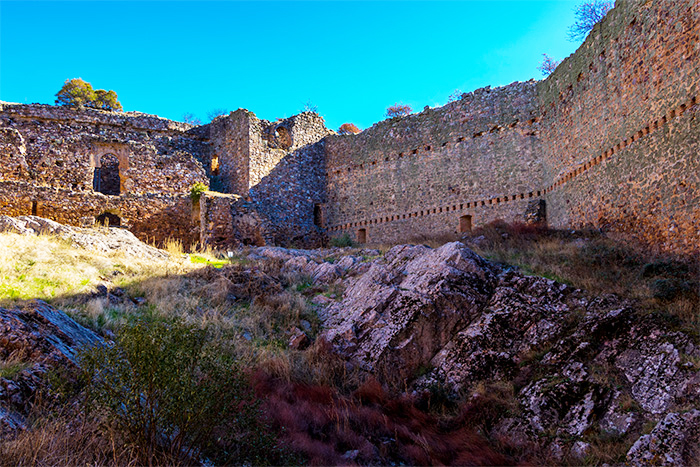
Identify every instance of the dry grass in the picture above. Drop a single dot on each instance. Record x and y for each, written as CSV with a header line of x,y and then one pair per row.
x,y
662,284
66,441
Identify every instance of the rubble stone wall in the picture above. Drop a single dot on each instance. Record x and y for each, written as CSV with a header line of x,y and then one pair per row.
x,y
152,217
467,163
620,126
60,147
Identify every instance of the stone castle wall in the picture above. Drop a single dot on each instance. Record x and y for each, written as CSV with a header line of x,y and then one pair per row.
x,y
152,217
472,161
609,140
620,129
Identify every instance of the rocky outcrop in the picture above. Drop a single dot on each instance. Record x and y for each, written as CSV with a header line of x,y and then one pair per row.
x,y
579,364
103,239
34,338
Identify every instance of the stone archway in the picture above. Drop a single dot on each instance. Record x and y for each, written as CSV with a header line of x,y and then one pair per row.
x,y
109,164
106,179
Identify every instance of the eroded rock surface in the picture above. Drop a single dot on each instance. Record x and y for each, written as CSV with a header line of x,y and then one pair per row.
x,y
34,337
446,318
104,240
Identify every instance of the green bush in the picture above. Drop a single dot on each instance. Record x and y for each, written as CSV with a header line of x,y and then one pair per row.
x,y
173,397
197,190
342,241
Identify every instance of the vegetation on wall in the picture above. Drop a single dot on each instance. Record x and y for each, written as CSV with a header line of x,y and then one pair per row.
x,y
79,93
398,110
588,14
197,190
348,129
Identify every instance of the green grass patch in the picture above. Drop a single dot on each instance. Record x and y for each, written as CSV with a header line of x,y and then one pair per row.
x,y
196,259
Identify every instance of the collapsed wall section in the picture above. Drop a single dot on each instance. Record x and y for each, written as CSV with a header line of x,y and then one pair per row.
x,y
620,128
440,172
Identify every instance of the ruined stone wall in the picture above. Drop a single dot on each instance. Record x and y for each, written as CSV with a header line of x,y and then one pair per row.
x,y
270,142
60,147
469,162
620,126
229,139
152,217
291,196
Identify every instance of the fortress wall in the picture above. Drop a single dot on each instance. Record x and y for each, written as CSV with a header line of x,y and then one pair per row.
x,y
620,126
59,147
415,177
151,217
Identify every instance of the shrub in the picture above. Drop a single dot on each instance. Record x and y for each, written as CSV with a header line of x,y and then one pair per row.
x,y
348,129
398,110
455,96
342,241
191,119
167,393
196,191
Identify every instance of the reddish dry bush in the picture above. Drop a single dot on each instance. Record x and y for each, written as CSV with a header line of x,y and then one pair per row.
x,y
325,427
348,129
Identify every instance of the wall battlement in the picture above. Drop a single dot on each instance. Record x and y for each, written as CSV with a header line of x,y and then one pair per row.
x,y
610,140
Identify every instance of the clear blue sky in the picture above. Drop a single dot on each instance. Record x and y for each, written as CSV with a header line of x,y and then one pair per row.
x,y
350,59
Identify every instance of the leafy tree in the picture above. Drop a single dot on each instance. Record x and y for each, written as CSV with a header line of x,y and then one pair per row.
x,y
79,93
398,110
587,15
191,119
75,93
212,114
548,65
106,100
348,129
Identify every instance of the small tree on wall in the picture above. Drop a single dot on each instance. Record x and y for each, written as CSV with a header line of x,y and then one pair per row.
x,y
398,110
79,93
191,119
587,15
548,65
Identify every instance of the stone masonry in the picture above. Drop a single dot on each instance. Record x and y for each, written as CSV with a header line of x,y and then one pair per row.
x,y
610,140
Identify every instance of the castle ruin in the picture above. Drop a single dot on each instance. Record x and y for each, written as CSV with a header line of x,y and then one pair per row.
x,y
610,140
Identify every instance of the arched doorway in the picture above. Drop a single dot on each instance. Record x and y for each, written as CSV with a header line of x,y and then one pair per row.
x,y
106,177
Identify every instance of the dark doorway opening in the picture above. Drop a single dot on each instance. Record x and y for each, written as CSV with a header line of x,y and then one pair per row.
x,y
361,235
465,224
108,219
35,208
106,178
318,215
